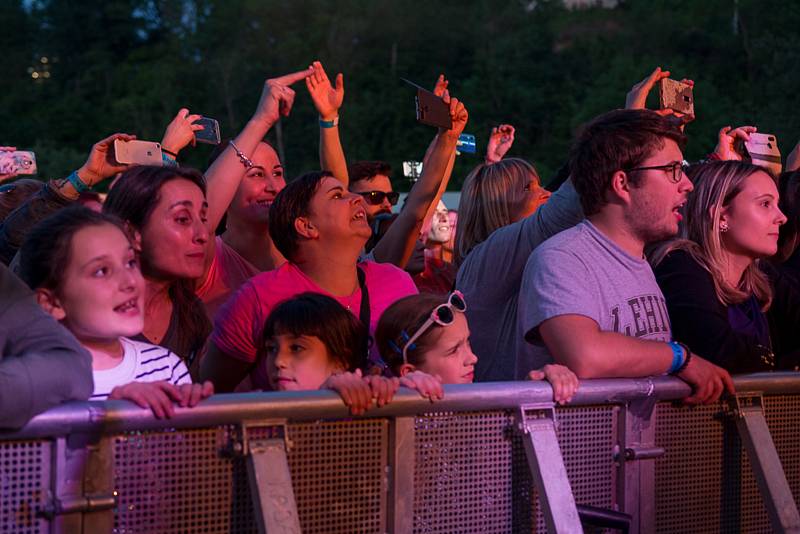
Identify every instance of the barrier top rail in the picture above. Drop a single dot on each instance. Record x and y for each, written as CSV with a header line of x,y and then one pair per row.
x,y
119,416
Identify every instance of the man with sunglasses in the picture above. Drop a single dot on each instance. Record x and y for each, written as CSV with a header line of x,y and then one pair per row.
x,y
370,179
588,294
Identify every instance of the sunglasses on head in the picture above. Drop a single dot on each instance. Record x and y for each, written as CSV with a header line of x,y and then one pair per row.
x,y
7,188
443,315
376,197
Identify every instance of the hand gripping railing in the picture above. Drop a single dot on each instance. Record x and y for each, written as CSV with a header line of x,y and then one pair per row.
x,y
83,499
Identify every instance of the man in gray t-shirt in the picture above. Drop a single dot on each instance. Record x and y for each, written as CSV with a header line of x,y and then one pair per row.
x,y
588,294
581,271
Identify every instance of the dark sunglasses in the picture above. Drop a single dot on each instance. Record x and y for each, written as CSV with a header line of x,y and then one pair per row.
x,y
376,197
7,188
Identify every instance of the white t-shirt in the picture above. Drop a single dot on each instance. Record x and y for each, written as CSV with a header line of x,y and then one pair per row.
x,y
141,362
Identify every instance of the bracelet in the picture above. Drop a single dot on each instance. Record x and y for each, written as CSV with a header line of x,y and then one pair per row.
x,y
685,363
170,152
79,185
678,357
247,162
329,124
168,161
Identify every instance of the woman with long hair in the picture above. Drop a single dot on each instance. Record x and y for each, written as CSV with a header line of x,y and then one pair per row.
x,y
724,301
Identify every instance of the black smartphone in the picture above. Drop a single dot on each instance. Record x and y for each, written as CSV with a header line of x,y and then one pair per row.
x,y
431,109
210,132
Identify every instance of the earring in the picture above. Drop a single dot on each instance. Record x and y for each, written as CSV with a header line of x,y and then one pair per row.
x,y
723,227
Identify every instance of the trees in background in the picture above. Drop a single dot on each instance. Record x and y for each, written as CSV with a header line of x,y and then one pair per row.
x,y
74,71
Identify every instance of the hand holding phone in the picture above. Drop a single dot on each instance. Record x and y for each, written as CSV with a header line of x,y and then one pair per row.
x,y
209,133
136,152
676,96
762,150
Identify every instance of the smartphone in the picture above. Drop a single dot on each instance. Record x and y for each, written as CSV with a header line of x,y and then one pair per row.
x,y
432,110
762,150
137,152
18,162
677,96
466,144
210,132
412,169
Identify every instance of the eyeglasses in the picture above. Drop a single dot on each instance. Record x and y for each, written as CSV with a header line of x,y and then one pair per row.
x,y
376,197
678,169
442,315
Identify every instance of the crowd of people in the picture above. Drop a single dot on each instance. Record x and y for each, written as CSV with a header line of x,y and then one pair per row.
x,y
181,283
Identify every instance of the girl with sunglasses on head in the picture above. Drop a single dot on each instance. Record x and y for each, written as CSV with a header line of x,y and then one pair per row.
x,y
429,333
312,342
85,273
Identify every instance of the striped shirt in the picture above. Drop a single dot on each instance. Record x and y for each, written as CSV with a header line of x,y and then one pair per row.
x,y
141,362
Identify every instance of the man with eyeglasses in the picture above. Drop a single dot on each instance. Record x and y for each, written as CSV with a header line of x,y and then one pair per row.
x,y
370,179
588,294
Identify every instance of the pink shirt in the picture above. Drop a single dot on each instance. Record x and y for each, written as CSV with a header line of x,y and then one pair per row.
x,y
240,321
228,272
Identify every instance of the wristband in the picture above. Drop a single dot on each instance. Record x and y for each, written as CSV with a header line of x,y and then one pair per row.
x,y
239,154
685,363
168,161
79,185
170,152
329,124
678,357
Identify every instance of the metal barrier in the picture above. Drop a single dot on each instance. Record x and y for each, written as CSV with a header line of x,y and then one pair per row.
x,y
488,458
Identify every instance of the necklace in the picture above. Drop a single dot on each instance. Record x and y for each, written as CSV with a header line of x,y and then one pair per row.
x,y
350,298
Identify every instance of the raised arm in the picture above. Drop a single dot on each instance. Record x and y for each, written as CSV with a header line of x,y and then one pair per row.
x,y
100,165
225,174
398,243
328,99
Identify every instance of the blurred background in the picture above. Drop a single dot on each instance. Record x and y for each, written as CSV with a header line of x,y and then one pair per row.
x,y
75,71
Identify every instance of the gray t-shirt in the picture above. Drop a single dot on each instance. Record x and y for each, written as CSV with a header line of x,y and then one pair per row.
x,y
490,278
582,272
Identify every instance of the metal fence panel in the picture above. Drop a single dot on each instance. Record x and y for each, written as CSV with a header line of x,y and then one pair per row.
x,y
24,486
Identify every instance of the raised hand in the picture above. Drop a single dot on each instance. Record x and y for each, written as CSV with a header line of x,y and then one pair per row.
x,y
102,162
637,96
180,132
277,97
726,141
441,86
500,141
458,114
327,98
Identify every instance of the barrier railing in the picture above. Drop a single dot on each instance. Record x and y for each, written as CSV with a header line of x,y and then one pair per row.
x,y
487,458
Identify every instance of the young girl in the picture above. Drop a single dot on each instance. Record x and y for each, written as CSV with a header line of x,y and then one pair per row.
x,y
85,273
312,342
429,333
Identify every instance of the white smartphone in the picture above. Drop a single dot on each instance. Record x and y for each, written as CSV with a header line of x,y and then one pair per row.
x,y
138,152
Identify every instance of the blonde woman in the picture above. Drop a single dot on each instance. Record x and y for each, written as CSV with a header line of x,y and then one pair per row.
x,y
495,195
723,301
503,215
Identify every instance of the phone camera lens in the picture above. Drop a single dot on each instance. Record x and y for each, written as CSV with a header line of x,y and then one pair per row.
x,y
769,145
771,138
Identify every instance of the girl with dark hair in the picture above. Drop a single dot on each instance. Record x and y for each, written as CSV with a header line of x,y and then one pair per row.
x,y
166,210
429,333
84,271
312,342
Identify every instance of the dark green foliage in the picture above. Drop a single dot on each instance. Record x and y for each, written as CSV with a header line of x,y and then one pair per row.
x,y
129,65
